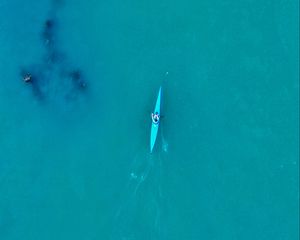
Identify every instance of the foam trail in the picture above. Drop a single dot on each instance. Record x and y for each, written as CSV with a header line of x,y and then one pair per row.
x,y
126,214
138,201
159,199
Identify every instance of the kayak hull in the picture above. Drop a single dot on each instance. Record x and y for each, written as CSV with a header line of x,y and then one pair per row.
x,y
155,126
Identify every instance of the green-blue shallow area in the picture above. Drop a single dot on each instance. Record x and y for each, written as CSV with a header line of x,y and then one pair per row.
x,y
74,142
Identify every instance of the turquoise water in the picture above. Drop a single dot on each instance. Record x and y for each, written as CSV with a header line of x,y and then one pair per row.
x,y
74,159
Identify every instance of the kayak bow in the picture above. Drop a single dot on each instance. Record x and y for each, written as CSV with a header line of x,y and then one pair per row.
x,y
154,126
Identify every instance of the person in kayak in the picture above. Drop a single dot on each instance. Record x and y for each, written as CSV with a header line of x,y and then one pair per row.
x,y
155,118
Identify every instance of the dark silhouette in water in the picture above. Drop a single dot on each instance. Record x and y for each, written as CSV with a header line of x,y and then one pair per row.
x,y
52,72
49,24
48,32
30,78
27,78
77,79
53,54
37,92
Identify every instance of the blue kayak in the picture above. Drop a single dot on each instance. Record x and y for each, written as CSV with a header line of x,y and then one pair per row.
x,y
155,125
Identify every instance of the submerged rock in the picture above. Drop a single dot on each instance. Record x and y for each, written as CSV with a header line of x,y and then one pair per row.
x,y
49,23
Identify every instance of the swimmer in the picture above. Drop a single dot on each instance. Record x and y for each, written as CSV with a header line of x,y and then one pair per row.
x,y
77,79
49,24
27,78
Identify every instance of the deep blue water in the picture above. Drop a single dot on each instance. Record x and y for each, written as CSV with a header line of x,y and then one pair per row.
x,y
74,142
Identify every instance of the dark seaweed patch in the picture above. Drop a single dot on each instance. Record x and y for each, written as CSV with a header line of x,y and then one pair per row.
x,y
77,79
52,79
35,81
48,32
53,56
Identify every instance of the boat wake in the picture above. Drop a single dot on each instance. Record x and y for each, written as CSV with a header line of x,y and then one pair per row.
x,y
139,214
139,211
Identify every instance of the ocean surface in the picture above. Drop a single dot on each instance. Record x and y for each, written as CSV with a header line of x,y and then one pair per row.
x,y
75,161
